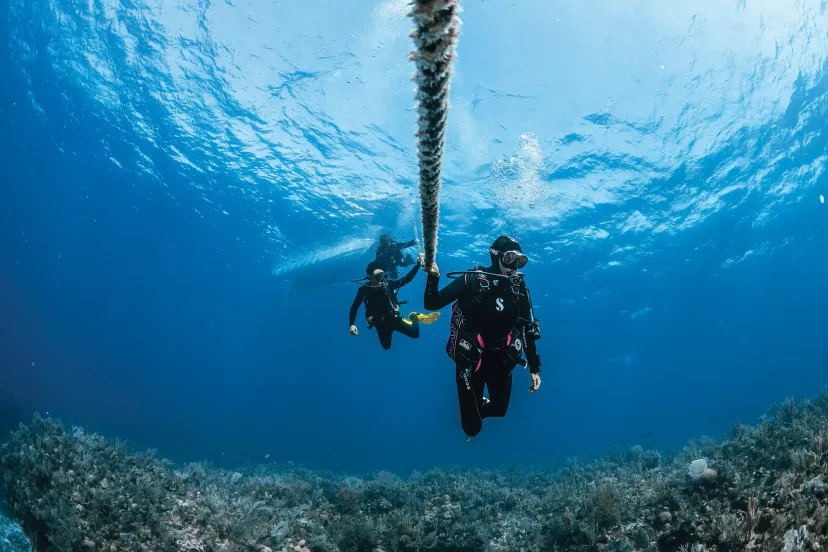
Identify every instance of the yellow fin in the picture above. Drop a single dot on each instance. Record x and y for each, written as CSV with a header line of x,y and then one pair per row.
x,y
427,318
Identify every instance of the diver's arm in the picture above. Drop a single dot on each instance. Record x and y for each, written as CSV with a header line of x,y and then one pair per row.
x,y
530,347
435,298
405,279
533,362
533,359
406,245
355,307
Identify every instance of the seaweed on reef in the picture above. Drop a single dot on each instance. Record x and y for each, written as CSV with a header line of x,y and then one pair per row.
x,y
762,488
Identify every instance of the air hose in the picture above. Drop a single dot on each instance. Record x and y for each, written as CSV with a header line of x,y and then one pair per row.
x,y
435,36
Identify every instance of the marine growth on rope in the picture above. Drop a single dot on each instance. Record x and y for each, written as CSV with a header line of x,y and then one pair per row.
x,y
435,37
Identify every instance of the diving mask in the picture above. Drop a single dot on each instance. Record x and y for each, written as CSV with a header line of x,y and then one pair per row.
x,y
514,259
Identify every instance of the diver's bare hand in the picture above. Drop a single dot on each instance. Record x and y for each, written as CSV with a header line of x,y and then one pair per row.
x,y
433,270
536,383
353,330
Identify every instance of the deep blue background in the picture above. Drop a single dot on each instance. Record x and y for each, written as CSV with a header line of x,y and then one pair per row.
x,y
126,310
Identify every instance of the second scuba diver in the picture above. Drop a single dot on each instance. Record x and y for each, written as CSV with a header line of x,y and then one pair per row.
x,y
492,324
389,253
382,308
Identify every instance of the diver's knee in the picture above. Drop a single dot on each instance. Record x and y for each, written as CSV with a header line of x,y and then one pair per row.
x,y
496,411
472,428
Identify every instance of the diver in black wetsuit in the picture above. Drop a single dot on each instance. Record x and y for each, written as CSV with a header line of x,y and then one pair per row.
x,y
382,309
492,323
389,253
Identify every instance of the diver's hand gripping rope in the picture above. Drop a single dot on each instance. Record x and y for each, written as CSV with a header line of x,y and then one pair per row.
x,y
435,36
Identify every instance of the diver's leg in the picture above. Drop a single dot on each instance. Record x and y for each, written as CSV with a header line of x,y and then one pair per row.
x,y
499,383
469,390
408,326
384,333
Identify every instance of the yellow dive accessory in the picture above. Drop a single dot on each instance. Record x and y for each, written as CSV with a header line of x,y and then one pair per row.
x,y
425,318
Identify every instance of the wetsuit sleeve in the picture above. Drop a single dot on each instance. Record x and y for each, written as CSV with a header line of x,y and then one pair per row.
x,y
531,349
355,307
405,279
406,245
436,299
532,357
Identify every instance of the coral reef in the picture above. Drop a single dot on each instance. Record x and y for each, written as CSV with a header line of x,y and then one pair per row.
x,y
763,488
12,538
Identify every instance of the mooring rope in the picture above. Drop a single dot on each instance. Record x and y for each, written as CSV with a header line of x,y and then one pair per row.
x,y
416,233
435,36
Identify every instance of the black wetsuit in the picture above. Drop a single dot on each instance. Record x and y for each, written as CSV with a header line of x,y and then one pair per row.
x,y
382,309
390,255
489,333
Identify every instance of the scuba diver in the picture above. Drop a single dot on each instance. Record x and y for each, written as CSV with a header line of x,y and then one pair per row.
x,y
382,309
492,324
389,253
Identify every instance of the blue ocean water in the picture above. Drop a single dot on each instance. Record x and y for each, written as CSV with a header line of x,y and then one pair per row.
x,y
662,164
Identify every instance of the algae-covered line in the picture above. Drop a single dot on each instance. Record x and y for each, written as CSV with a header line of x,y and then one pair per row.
x,y
435,37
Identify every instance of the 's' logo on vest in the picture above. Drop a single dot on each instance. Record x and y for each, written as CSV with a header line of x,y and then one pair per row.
x,y
499,304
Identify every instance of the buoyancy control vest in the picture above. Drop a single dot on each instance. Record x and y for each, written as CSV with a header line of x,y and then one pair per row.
x,y
487,317
381,303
